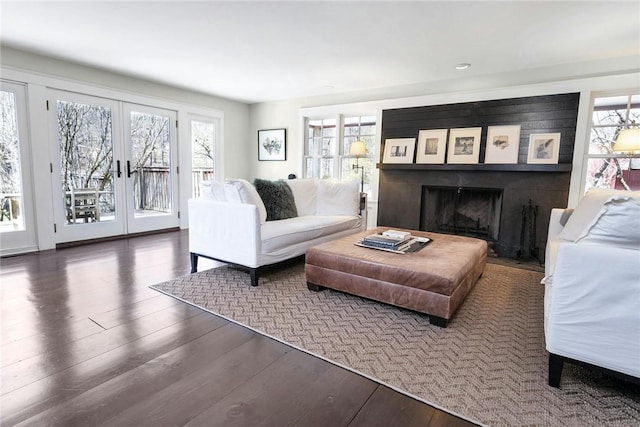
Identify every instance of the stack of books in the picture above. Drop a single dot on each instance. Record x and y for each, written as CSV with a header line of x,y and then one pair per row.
x,y
393,240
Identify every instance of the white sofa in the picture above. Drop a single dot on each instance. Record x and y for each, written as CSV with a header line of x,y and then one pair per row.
x,y
592,285
229,223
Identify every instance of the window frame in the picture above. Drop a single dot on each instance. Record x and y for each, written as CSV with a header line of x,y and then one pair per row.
x,y
339,156
629,94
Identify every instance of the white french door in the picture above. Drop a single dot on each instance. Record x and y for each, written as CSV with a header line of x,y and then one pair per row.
x,y
112,167
151,168
17,222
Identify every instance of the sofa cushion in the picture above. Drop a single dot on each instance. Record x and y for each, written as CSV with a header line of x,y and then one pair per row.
x,y
278,199
212,190
588,210
337,197
617,223
277,235
241,191
304,194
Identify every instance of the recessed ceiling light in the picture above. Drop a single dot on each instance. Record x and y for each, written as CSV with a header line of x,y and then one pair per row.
x,y
462,66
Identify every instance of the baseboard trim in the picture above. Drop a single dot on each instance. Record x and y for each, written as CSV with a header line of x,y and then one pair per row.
x,y
116,237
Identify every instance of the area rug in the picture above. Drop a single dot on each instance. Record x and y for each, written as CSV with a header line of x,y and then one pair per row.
x,y
489,365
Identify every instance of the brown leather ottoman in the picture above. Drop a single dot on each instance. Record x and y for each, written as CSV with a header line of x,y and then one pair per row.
x,y
434,280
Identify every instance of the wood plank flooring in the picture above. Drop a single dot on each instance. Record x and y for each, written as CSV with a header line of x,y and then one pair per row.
x,y
85,342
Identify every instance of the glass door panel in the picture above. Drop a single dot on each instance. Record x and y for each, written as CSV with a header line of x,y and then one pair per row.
x,y
17,230
202,154
151,176
86,147
88,176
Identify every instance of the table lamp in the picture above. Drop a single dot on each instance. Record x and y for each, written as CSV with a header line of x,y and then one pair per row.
x,y
628,141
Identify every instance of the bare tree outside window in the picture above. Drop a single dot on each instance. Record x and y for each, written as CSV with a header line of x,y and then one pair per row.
x,y
202,153
86,158
10,174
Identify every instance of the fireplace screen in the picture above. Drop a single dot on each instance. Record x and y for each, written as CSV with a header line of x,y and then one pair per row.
x,y
465,211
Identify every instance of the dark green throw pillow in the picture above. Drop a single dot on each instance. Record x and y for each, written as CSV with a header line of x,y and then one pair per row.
x,y
277,198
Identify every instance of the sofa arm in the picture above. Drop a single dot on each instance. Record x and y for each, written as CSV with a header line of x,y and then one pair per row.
x,y
593,306
225,231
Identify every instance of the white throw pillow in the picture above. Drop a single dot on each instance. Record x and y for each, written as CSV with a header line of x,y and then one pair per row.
x,y
304,194
588,209
205,189
337,197
212,190
617,223
242,191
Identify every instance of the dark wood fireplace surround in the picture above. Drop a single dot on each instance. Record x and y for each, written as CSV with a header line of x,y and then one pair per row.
x,y
525,188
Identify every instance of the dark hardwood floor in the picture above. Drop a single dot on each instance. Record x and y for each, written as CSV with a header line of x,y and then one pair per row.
x,y
85,342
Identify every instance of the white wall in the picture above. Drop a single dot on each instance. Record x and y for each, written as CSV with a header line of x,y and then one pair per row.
x,y
288,113
40,73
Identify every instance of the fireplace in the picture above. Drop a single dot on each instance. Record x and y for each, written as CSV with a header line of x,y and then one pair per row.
x,y
466,211
509,206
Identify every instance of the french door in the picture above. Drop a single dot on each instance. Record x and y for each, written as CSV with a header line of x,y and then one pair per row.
x,y
112,167
17,222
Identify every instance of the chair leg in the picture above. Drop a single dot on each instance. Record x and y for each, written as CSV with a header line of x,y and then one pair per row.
x,y
194,262
556,363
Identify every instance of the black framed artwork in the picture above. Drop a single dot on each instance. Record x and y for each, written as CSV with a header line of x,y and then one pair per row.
x,y
272,144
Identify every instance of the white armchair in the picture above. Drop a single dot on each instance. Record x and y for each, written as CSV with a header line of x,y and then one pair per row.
x,y
592,285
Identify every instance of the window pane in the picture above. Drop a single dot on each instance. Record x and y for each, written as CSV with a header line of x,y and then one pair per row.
x,y
202,149
309,168
11,214
327,146
634,116
613,173
602,140
326,168
609,117
151,146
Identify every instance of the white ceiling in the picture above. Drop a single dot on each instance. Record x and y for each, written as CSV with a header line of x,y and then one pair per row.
x,y
261,51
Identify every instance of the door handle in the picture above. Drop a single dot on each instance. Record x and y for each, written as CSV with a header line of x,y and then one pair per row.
x,y
118,171
128,169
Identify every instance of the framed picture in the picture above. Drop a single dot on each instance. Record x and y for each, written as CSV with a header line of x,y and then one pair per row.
x,y
503,143
272,144
399,150
544,148
431,146
464,145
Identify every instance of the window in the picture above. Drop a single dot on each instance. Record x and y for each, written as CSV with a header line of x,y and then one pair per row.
x,y
203,135
326,158
358,129
320,151
606,168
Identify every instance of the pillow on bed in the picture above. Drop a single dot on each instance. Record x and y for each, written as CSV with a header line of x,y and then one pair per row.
x,y
277,198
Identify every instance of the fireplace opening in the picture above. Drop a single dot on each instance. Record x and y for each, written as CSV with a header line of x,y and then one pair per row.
x,y
464,211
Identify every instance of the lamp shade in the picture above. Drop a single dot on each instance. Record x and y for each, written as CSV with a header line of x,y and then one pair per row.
x,y
628,141
357,148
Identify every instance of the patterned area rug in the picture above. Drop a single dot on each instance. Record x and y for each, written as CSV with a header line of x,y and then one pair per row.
x,y
489,365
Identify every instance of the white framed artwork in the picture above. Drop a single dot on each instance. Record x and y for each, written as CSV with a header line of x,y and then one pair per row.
x,y
399,150
464,145
544,148
503,143
431,146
